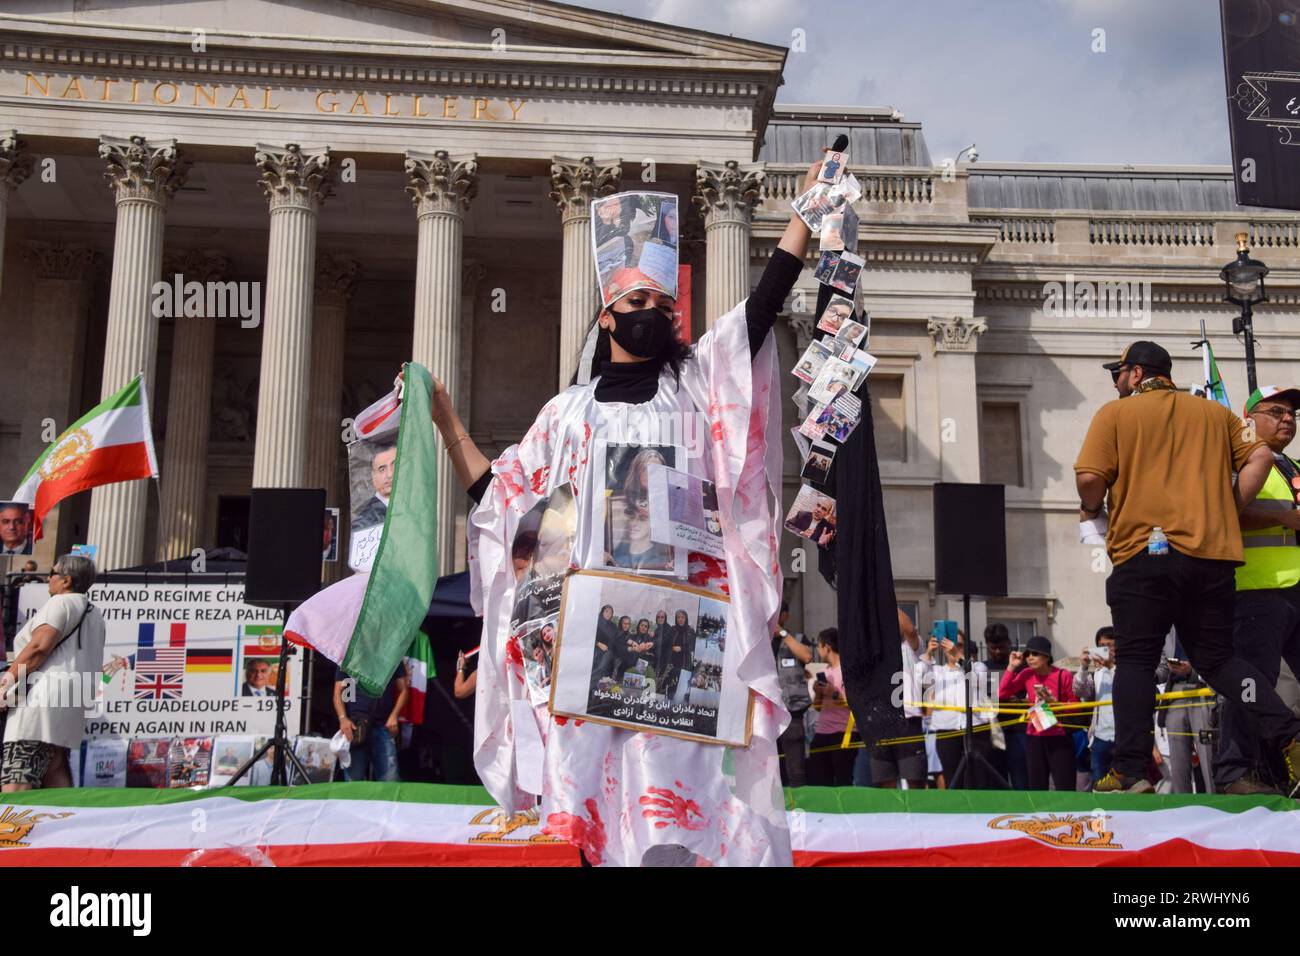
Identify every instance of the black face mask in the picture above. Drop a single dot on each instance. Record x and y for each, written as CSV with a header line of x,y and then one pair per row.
x,y
645,333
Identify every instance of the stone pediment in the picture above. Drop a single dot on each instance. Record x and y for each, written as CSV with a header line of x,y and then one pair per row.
x,y
501,28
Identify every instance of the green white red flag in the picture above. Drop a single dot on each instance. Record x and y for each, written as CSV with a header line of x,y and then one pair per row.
x,y
366,623
1214,387
415,824
112,442
419,669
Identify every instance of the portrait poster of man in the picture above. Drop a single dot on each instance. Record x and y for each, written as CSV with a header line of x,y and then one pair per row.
x,y
628,543
648,655
635,238
260,669
189,762
228,755
316,757
371,465
15,528
812,516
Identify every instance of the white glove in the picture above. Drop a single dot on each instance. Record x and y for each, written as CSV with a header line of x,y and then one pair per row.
x,y
1094,531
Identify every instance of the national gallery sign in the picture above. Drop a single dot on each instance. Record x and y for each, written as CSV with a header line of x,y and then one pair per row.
x,y
226,97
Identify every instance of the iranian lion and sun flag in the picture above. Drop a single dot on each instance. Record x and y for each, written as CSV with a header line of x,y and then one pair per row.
x,y
365,622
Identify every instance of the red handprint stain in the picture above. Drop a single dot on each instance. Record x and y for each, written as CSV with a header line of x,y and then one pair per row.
x,y
666,808
514,655
538,480
587,835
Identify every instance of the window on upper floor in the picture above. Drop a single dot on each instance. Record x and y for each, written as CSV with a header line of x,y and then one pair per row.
x,y
1001,458
889,414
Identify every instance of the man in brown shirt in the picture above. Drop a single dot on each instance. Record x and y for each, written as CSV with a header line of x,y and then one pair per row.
x,y
1161,458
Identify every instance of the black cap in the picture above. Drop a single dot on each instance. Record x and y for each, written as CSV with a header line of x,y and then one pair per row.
x,y
1039,645
1148,355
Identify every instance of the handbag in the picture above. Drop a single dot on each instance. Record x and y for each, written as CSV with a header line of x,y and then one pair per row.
x,y
361,730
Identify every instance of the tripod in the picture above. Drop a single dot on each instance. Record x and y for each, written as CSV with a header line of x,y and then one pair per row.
x,y
280,739
974,772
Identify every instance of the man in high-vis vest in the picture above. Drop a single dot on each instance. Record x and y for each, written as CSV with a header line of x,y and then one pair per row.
x,y
1266,623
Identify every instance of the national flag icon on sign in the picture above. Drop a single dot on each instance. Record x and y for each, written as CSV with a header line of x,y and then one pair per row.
x,y
209,660
159,667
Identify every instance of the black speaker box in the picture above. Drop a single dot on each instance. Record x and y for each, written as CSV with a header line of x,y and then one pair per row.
x,y
970,539
285,531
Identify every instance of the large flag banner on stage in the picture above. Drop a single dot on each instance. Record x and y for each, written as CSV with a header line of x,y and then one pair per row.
x,y
110,443
367,622
416,824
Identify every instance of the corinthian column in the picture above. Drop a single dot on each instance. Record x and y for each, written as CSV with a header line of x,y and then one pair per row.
x,y
144,176
725,194
15,166
189,402
56,319
296,182
335,281
441,188
574,184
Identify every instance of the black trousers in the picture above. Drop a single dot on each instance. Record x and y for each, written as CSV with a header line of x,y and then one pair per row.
x,y
1266,631
950,751
1147,595
1051,758
793,743
832,767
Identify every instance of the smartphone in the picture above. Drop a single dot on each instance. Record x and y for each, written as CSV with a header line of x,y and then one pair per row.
x,y
821,677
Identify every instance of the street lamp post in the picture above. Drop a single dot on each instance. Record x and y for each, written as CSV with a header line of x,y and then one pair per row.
x,y
1244,279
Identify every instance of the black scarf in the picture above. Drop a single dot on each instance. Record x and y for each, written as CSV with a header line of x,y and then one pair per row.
x,y
858,566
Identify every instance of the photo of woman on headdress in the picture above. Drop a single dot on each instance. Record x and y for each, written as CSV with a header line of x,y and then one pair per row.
x,y
666,230
633,370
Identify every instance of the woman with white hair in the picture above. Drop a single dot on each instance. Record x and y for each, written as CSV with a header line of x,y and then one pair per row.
x,y
52,681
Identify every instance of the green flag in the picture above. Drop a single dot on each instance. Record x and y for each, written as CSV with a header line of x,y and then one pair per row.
x,y
406,565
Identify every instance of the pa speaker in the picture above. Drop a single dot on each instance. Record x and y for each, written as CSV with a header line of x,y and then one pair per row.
x,y
285,527
970,539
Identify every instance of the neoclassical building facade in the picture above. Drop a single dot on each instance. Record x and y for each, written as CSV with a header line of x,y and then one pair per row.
x,y
410,179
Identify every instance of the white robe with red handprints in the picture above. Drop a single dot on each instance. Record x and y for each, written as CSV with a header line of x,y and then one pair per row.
x,y
614,793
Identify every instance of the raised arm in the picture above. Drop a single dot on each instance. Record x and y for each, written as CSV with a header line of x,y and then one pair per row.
x,y
780,275
470,464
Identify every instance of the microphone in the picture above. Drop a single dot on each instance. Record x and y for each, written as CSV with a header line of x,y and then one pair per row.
x,y
840,143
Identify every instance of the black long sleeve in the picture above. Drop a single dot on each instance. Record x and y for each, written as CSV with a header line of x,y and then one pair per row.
x,y
480,487
769,296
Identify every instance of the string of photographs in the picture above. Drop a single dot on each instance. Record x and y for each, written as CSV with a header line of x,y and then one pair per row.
x,y
836,362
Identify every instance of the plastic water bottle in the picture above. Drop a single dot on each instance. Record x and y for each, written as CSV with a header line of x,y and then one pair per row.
x,y
1157,543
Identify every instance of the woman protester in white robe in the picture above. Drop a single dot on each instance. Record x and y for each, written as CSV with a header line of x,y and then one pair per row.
x,y
615,793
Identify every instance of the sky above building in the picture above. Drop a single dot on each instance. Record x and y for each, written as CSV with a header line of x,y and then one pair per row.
x,y
1027,80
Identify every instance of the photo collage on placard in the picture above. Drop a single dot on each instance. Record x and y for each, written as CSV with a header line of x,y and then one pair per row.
x,y
540,554
649,656
835,364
